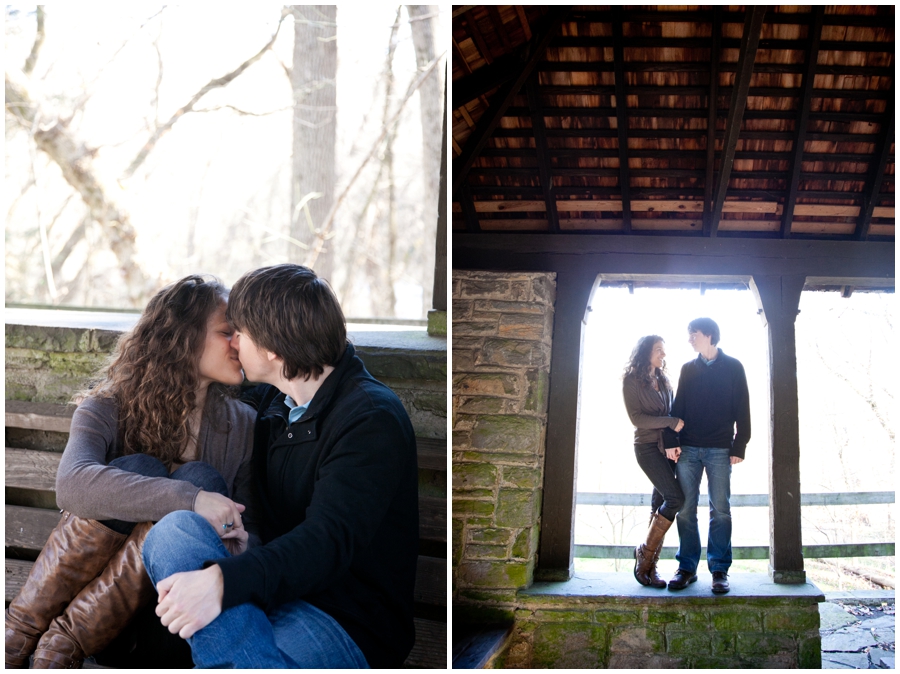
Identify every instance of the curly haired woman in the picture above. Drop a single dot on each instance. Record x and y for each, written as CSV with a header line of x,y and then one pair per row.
x,y
158,433
648,401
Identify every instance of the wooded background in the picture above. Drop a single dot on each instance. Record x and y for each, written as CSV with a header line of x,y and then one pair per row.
x,y
144,144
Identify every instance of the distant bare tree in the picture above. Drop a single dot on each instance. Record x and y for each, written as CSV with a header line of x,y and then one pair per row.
x,y
313,76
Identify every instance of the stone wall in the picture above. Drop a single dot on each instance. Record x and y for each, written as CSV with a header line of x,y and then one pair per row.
x,y
635,632
502,335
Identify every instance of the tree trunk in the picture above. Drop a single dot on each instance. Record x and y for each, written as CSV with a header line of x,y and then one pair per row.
x,y
313,82
76,163
431,106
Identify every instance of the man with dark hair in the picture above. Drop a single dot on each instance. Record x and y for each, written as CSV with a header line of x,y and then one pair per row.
x,y
712,398
336,476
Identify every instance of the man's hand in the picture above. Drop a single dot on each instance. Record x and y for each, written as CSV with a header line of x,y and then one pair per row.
x,y
191,600
235,540
673,453
735,460
218,510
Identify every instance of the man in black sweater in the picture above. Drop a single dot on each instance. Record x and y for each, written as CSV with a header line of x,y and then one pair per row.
x,y
712,399
334,457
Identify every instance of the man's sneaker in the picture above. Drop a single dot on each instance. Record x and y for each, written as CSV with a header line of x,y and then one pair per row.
x,y
720,582
682,579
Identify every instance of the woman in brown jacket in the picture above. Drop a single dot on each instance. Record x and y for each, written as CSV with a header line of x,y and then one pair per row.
x,y
158,433
648,400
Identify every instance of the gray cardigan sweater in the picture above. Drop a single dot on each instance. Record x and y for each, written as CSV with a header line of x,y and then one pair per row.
x,y
648,410
88,487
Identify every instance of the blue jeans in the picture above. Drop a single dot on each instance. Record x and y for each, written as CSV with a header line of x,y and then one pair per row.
x,y
293,635
690,466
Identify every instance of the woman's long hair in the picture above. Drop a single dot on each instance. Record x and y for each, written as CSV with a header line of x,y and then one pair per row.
x,y
639,363
154,372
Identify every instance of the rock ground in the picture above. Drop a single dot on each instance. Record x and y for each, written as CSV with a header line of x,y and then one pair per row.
x,y
857,634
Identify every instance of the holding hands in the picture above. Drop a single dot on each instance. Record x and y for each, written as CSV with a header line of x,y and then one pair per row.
x,y
673,453
223,514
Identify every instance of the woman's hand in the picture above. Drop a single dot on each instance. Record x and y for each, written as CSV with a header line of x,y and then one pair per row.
x,y
679,425
221,512
235,540
673,453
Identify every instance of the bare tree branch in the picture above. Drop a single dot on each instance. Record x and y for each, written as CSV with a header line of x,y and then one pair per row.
x,y
38,41
244,112
322,233
189,106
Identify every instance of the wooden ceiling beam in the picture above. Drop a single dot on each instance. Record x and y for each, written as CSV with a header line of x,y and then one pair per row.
x,y
504,97
488,78
812,58
540,144
877,169
712,114
468,208
749,44
621,116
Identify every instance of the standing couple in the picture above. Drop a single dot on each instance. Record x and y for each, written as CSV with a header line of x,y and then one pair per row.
x,y
279,530
674,441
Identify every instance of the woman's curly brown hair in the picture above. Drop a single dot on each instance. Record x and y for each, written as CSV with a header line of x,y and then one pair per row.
x,y
639,363
154,372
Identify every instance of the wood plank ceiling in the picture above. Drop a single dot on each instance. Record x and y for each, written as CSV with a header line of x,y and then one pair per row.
x,y
711,121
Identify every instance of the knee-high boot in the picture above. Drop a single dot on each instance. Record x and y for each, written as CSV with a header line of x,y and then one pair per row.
x,y
101,610
76,551
647,553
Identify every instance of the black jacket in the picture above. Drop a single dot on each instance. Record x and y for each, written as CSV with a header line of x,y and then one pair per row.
x,y
712,399
338,497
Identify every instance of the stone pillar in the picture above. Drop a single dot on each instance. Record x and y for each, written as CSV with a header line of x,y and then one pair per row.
x,y
502,331
778,298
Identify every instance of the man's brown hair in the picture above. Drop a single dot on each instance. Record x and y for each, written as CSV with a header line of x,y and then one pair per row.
x,y
288,310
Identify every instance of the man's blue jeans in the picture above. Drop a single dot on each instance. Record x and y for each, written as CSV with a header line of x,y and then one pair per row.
x,y
690,466
294,635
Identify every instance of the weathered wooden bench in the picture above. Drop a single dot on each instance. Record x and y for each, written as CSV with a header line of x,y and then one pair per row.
x,y
35,436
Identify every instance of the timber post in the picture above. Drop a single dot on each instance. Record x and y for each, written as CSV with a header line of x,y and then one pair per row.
x,y
778,298
555,555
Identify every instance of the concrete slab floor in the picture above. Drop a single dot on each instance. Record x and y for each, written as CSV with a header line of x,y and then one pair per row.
x,y
857,631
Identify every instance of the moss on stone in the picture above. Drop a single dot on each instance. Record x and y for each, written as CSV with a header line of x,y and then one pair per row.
x,y
658,617
481,615
610,616
800,620
523,477
475,551
538,385
737,620
549,616
568,645
631,639
722,643
758,643
516,508
474,475
468,508
526,544
507,433
688,642
491,536
810,653
489,384
437,323
481,405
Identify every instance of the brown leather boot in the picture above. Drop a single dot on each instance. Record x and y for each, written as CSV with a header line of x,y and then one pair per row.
x,y
76,551
101,610
647,553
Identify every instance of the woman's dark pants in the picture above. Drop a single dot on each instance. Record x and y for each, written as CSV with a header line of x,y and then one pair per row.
x,y
145,643
667,497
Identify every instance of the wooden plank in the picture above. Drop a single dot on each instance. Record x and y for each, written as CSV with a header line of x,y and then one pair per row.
x,y
778,298
504,97
39,416
27,529
431,581
748,46
621,117
744,500
35,471
432,453
746,551
712,113
430,649
508,206
812,57
877,170
433,518
479,648
540,144
31,469
531,224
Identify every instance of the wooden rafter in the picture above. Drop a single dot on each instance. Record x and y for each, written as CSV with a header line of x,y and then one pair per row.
x,y
540,143
621,118
749,44
812,57
490,77
468,208
712,114
504,97
877,169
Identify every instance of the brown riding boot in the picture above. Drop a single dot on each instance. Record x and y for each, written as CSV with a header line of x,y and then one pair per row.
x,y
647,553
101,610
76,551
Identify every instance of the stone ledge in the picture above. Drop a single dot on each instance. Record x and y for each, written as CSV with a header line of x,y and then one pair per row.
x,y
622,589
